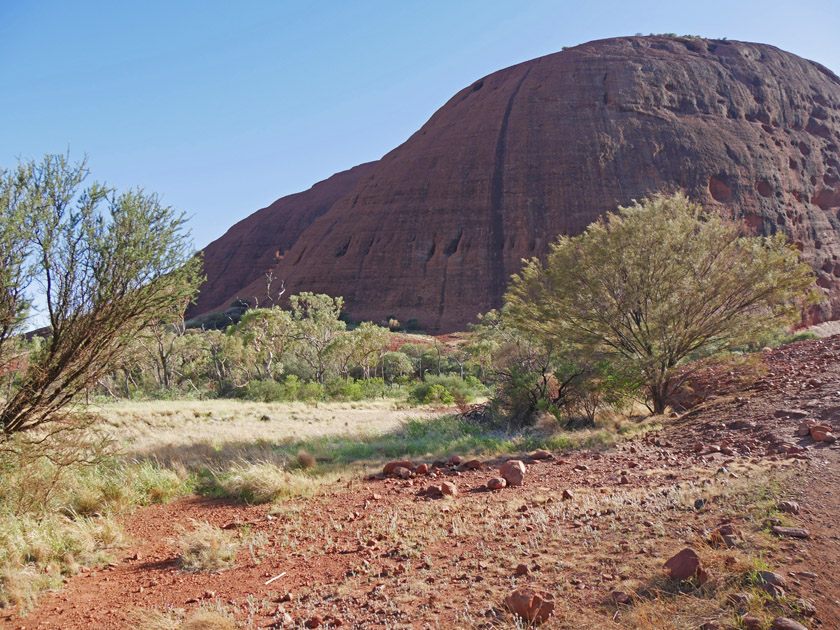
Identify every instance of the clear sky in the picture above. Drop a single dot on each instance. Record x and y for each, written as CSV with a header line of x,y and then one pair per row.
x,y
222,107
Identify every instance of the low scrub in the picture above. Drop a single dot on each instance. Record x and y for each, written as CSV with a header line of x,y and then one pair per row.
x,y
260,482
206,549
446,390
57,507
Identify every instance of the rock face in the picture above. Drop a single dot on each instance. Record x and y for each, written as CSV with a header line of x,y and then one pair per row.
x,y
435,228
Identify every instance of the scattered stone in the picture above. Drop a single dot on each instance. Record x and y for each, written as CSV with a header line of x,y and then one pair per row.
x,y
496,483
684,565
473,464
391,466
773,590
804,430
287,621
739,598
567,494
513,472
434,490
581,467
768,577
422,469
620,597
624,480
789,507
783,623
314,622
699,504
793,532
531,605
805,607
449,489
540,454
710,625
794,414
808,575
752,623
455,460
522,569
725,535
829,438
401,471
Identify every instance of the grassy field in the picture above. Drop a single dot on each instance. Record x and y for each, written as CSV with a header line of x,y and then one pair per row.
x,y
58,517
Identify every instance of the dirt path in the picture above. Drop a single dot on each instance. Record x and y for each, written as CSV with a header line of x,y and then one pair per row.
x,y
383,553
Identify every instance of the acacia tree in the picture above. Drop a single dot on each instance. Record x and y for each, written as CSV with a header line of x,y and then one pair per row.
x,y
105,265
657,281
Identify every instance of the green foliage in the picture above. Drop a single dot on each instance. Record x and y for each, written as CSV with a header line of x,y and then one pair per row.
x,y
107,264
446,390
646,287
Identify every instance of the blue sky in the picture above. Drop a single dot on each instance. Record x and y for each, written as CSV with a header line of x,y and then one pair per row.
x,y
223,107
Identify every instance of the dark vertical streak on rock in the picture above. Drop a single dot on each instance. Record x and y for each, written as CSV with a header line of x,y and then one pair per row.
x,y
497,220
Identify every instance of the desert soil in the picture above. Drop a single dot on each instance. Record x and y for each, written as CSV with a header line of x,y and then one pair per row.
x,y
384,553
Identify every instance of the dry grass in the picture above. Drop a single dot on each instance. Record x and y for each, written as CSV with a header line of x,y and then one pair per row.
x,y
144,427
203,619
265,482
206,549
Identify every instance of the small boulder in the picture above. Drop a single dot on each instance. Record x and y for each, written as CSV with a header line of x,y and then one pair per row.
x,y
422,469
752,623
737,599
521,569
434,490
513,472
449,489
783,623
473,464
540,454
390,466
402,472
496,483
530,605
620,597
792,532
768,577
686,564
789,507
455,460
773,590
804,430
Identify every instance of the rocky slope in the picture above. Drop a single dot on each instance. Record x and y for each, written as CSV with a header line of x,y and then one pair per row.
x,y
435,228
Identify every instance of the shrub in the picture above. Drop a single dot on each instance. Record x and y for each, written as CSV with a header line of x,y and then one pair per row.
x,y
446,389
656,282
206,549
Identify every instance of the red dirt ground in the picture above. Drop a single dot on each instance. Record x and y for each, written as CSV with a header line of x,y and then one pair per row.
x,y
381,553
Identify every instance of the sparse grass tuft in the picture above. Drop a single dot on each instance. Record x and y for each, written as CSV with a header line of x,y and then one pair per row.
x,y
206,549
259,483
203,619
305,460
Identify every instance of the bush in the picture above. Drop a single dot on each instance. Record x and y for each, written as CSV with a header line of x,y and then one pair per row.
x,y
206,549
446,390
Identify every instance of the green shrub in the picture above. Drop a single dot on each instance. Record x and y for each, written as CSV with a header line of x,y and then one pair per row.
x,y
446,390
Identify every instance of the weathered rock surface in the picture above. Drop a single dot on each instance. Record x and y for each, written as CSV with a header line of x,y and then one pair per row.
x,y
435,228
531,605
684,565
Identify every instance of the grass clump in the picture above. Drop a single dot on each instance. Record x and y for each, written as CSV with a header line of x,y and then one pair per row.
x,y
255,483
57,502
206,549
202,619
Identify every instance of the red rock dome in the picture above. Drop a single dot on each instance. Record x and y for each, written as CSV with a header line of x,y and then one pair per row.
x,y
435,228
